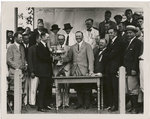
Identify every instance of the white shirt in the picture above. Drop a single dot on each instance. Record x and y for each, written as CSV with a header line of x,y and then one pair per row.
x,y
113,39
26,45
123,33
72,39
17,44
39,32
90,38
43,43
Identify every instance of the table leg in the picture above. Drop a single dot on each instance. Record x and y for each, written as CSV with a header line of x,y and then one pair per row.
x,y
56,96
63,96
102,101
98,94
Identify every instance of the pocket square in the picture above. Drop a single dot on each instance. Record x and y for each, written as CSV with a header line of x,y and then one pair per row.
x,y
131,49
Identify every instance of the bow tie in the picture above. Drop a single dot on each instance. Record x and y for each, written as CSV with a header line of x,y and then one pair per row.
x,y
89,29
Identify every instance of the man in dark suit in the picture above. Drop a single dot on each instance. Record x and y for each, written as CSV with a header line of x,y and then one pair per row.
x,y
121,33
113,57
102,30
44,72
129,18
40,28
131,63
32,63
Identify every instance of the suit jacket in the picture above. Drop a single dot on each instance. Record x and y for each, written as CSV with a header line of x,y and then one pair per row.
x,y
83,60
44,63
114,55
133,22
102,27
131,55
99,62
32,40
32,60
123,37
26,51
15,58
90,38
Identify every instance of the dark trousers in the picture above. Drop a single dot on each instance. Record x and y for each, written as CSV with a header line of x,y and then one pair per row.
x,y
83,93
112,87
45,92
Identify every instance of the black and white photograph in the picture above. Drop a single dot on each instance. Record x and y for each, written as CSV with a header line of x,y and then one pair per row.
x,y
75,58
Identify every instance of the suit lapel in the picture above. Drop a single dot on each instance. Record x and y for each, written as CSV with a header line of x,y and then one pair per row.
x,y
129,46
16,47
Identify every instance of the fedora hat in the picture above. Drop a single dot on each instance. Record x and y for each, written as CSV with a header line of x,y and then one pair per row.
x,y
131,27
67,26
54,27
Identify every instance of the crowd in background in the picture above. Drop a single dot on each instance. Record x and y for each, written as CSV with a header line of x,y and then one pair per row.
x,y
92,51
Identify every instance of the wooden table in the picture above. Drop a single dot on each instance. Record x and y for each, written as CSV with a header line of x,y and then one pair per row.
x,y
80,79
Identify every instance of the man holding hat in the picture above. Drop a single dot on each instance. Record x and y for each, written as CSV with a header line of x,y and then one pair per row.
x,y
131,63
53,41
69,36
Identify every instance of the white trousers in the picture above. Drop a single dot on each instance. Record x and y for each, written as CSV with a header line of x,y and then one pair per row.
x,y
33,89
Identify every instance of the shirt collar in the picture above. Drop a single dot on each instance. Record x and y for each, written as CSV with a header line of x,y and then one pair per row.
x,y
102,50
25,44
108,21
80,43
17,44
39,31
132,39
114,39
123,33
43,43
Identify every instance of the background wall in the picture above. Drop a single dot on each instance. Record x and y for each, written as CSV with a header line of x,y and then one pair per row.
x,y
75,16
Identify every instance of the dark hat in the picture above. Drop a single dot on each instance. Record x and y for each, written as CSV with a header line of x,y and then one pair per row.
x,y
9,31
20,28
140,17
40,21
54,27
67,26
131,27
117,16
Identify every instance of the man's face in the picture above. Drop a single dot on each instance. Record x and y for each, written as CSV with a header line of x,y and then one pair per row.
x,y
112,33
19,39
79,37
89,24
10,34
40,26
102,44
97,40
107,16
129,15
130,34
38,40
61,40
118,20
68,31
26,39
28,30
140,22
121,27
55,31
45,38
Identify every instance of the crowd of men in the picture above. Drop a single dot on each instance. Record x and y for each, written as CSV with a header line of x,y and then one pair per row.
x,y
93,51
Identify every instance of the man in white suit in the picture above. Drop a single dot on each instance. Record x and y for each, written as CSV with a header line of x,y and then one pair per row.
x,y
69,36
81,55
90,33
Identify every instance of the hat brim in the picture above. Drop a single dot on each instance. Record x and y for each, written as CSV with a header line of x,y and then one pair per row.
x,y
127,29
67,28
55,29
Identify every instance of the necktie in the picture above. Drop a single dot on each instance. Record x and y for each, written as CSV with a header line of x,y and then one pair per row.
x,y
78,47
61,46
67,42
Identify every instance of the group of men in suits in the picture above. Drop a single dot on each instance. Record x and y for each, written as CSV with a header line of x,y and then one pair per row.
x,y
91,51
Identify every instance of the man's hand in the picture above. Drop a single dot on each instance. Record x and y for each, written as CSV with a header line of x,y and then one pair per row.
x,y
21,67
32,75
133,72
99,74
91,73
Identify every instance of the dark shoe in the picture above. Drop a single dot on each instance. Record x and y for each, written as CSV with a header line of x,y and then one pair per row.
x,y
77,106
33,106
48,108
42,110
113,109
134,111
86,107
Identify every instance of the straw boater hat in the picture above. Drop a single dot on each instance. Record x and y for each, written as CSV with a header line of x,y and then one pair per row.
x,y
131,27
67,26
54,27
